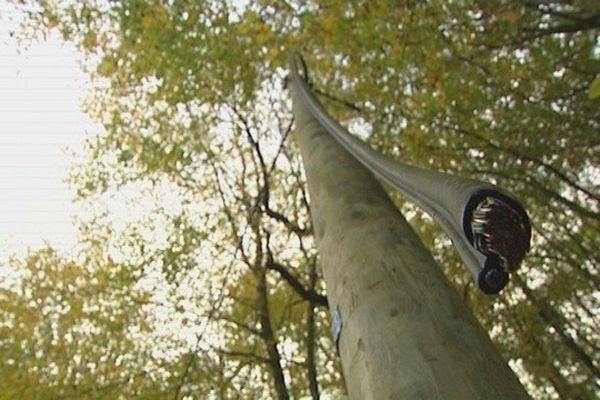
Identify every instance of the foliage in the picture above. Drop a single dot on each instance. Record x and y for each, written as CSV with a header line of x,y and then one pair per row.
x,y
190,93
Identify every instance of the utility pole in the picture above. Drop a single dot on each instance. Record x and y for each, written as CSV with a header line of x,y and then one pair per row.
x,y
402,330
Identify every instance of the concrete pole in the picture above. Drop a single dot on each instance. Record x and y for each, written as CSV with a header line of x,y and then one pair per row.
x,y
405,333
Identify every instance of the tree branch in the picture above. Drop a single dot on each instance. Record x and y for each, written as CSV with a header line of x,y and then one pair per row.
x,y
336,99
552,318
243,354
311,367
294,282
285,221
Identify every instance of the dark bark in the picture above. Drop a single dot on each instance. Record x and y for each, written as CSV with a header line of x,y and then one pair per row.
x,y
311,367
307,294
269,336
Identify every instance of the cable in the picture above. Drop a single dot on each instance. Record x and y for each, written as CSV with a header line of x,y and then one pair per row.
x,y
488,226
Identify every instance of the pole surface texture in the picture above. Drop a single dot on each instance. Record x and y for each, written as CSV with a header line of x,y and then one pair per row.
x,y
405,332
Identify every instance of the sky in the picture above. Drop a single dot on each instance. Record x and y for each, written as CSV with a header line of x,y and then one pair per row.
x,y
41,124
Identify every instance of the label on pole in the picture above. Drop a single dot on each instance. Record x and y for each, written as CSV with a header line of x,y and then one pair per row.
x,y
337,328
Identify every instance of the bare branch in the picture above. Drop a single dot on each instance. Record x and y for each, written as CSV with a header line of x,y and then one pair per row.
x,y
294,282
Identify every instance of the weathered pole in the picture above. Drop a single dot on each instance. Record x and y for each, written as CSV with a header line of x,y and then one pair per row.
x,y
404,333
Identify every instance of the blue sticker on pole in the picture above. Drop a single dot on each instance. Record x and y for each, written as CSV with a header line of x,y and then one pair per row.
x,y
337,328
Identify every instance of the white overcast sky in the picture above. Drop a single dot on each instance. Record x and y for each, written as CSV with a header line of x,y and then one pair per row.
x,y
41,88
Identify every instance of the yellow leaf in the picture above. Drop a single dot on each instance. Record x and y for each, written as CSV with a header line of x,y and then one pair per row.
x,y
263,34
155,16
90,40
595,88
272,54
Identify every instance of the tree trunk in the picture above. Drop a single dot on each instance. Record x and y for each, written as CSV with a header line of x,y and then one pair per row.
x,y
268,335
405,332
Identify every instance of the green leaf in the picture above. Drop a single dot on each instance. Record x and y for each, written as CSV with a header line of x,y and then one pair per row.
x,y
125,156
595,88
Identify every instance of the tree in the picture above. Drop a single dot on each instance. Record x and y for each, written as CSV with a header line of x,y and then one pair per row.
x,y
494,91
